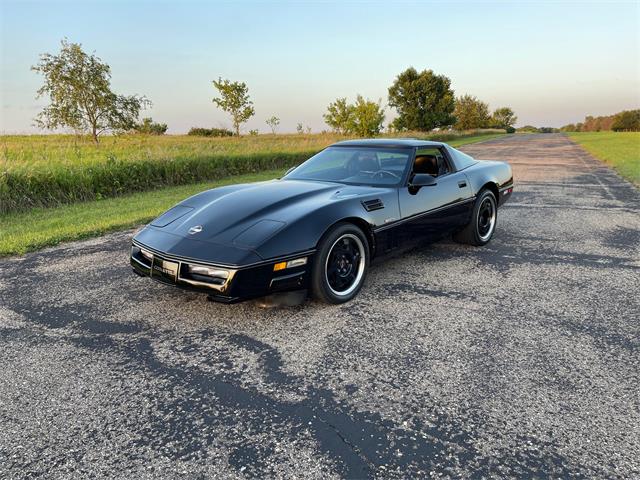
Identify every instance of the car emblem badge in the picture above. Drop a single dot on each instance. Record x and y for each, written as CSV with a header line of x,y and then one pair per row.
x,y
195,229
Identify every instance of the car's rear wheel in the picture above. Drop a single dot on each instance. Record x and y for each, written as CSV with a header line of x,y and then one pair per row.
x,y
483,221
340,264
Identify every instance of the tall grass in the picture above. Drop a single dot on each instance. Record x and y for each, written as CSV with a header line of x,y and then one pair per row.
x,y
50,170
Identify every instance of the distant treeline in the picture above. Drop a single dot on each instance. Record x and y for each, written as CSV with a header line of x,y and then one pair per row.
x,y
82,101
625,121
532,129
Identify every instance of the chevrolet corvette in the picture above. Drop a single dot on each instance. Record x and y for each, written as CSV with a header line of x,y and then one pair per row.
x,y
319,226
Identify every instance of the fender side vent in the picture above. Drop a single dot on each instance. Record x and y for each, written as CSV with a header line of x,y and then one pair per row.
x,y
371,205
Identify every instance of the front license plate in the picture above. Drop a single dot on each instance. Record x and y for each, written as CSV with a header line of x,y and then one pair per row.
x,y
164,270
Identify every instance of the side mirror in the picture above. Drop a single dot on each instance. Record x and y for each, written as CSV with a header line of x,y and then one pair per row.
x,y
422,180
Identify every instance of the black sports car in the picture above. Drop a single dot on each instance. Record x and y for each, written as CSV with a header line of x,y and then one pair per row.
x,y
320,225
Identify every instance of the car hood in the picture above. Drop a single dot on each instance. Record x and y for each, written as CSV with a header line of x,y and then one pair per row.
x,y
247,215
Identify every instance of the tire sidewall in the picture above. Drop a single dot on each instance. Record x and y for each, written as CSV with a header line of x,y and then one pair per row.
x,y
476,211
319,284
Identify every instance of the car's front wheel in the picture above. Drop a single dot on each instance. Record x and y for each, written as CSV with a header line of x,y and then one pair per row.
x,y
340,264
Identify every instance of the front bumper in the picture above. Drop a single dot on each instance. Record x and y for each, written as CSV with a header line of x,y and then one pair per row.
x,y
241,283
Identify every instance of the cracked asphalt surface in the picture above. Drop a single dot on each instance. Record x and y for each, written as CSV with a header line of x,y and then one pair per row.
x,y
519,359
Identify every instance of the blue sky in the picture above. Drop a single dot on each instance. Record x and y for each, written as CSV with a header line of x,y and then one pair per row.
x,y
552,62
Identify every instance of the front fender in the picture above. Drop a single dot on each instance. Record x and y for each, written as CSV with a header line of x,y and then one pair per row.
x,y
304,233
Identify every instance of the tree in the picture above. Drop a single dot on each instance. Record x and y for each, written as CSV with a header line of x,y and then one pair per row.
x,y
338,115
366,118
273,123
423,100
149,127
235,101
627,121
79,88
299,128
471,113
503,117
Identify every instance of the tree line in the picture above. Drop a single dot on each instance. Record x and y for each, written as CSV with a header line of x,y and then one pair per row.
x,y
625,121
79,88
423,101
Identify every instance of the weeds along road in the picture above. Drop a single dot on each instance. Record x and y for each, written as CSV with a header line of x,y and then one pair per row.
x,y
518,359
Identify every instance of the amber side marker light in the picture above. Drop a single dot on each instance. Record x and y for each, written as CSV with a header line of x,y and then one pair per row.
x,y
291,263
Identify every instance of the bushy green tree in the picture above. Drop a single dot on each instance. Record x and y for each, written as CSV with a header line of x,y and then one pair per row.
x,y
273,123
366,118
423,100
79,88
234,99
503,118
338,115
627,121
471,113
149,127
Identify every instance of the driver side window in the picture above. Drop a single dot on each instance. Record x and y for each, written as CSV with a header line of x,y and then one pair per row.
x,y
431,161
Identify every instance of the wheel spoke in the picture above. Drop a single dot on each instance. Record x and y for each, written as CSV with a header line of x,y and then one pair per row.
x,y
351,276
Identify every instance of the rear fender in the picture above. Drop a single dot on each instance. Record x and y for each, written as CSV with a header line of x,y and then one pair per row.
x,y
489,172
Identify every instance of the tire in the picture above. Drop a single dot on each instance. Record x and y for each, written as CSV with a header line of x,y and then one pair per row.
x,y
483,221
340,264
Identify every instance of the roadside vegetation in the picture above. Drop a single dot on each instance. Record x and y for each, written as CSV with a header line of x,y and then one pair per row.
x,y
52,170
625,121
621,150
50,226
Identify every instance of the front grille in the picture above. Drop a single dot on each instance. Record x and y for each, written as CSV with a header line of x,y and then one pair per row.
x,y
170,269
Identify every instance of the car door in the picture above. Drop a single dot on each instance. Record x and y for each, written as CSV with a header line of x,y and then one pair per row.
x,y
430,212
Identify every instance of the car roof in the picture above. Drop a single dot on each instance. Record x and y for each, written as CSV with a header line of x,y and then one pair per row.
x,y
387,142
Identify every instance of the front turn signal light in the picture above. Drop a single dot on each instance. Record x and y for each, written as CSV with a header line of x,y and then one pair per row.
x,y
298,262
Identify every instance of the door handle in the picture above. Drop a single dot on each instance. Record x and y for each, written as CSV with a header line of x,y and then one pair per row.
x,y
462,184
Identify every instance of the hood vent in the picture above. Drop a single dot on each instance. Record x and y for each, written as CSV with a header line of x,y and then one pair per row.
x,y
371,205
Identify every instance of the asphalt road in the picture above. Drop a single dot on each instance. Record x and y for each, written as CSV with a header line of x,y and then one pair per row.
x,y
518,359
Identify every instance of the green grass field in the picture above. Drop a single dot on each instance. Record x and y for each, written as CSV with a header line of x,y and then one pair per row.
x,y
50,226
52,170
621,150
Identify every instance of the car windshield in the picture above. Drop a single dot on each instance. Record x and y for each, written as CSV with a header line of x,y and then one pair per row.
x,y
355,166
